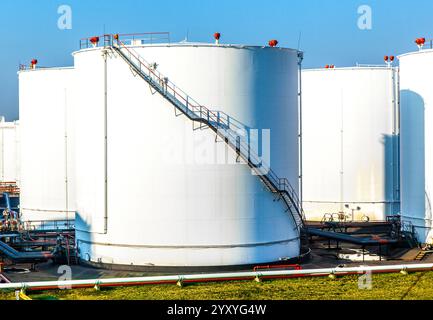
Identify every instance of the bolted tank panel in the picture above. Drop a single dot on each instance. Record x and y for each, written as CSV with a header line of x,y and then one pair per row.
x,y
417,142
46,190
350,143
176,196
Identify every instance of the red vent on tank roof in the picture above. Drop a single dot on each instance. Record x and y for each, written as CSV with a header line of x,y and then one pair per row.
x,y
273,43
94,40
420,41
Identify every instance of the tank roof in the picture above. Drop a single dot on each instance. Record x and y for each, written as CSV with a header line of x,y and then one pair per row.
x,y
424,51
46,69
195,44
361,67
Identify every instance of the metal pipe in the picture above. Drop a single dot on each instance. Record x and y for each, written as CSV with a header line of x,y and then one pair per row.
x,y
4,279
236,276
66,156
301,166
3,153
8,201
105,56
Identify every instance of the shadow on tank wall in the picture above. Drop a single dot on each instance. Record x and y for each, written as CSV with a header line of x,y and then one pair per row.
x,y
392,174
415,200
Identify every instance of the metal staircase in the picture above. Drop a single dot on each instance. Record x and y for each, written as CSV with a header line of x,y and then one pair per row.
x,y
422,255
221,123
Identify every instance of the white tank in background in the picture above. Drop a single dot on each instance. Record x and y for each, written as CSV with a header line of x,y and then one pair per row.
x,y
9,152
350,143
46,191
159,193
416,91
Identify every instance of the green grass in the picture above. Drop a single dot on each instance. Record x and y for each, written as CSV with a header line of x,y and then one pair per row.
x,y
385,287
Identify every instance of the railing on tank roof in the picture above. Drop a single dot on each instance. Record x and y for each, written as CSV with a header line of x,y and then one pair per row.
x,y
365,65
44,225
428,44
127,39
24,67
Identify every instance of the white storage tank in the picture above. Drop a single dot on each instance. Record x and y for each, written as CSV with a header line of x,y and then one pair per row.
x,y
46,191
9,151
350,143
160,193
416,71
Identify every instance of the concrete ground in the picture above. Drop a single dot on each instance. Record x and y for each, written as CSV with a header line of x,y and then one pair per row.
x,y
321,257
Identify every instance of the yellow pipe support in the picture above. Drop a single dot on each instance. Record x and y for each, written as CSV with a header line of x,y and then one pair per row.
x,y
22,296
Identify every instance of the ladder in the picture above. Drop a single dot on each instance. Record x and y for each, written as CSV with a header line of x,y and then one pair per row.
x,y
422,254
219,122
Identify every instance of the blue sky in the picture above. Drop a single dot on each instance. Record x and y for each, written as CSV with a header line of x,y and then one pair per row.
x,y
329,29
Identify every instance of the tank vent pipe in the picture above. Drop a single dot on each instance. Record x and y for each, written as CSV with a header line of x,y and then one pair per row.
x,y
217,37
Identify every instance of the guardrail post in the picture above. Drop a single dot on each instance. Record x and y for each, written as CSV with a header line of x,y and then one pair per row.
x,y
238,147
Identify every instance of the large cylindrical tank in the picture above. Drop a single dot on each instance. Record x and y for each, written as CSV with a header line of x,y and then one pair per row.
x,y
46,193
161,193
9,151
350,143
416,94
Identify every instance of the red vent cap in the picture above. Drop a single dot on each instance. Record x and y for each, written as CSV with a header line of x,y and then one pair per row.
x,y
94,40
273,43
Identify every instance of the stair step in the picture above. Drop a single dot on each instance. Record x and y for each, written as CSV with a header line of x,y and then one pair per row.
x,y
421,255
